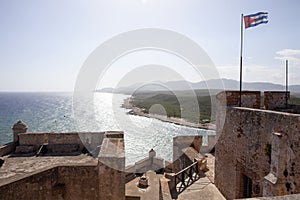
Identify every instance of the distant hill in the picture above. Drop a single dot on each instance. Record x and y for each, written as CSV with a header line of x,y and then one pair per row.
x,y
108,90
229,84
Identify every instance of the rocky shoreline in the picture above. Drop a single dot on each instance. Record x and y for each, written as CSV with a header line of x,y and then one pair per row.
x,y
138,111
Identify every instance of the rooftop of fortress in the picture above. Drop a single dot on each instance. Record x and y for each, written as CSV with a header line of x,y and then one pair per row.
x,y
16,168
54,165
35,152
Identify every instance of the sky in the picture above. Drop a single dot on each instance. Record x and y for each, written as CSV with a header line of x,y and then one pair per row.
x,y
45,43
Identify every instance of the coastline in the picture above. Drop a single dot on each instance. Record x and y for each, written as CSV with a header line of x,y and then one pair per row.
x,y
138,111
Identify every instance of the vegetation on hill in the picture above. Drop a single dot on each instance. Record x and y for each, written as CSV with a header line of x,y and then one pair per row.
x,y
169,101
172,106
295,99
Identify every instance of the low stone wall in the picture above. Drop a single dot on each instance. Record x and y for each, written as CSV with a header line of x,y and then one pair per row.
x,y
164,189
61,142
7,148
33,139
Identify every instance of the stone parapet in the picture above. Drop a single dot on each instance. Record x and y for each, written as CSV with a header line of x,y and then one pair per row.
x,y
276,99
250,99
73,176
164,189
62,142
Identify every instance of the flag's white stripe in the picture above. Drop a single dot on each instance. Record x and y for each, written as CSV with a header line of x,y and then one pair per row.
x,y
259,21
261,15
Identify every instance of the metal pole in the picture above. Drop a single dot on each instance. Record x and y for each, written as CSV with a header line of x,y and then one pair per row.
x,y
241,60
286,83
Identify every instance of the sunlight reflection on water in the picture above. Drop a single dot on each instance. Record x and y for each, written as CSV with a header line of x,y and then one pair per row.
x,y
52,112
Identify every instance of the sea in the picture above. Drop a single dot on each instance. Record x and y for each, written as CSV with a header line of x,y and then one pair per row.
x,y
54,112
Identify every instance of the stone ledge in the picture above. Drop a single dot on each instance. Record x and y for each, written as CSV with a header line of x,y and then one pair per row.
x,y
114,134
164,189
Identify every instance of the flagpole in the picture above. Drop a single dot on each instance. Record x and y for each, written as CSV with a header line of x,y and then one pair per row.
x,y
286,83
241,60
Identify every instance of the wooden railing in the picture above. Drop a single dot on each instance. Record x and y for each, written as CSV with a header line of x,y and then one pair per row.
x,y
186,177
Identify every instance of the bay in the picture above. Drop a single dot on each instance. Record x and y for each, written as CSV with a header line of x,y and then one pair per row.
x,y
53,112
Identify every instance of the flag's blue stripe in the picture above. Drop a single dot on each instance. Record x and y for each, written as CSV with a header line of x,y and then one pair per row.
x,y
256,14
255,24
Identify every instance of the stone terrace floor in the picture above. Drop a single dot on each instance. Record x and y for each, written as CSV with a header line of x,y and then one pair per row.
x,y
15,168
204,188
201,189
150,193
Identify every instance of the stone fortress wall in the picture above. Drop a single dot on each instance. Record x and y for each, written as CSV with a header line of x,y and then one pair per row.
x,y
62,182
61,174
258,150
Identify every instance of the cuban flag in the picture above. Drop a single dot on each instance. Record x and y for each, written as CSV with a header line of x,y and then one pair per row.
x,y
255,19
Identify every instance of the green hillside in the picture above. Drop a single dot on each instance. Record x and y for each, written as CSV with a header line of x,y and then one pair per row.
x,y
171,104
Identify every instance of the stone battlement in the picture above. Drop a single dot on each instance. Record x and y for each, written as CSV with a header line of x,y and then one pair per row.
x,y
257,153
58,165
273,100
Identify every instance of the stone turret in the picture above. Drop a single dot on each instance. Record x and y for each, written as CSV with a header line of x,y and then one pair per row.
x,y
152,154
19,127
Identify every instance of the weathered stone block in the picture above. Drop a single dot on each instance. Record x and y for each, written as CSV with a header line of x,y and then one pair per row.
x,y
24,149
63,148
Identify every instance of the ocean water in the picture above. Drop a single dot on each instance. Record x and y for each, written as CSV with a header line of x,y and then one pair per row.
x,y
54,112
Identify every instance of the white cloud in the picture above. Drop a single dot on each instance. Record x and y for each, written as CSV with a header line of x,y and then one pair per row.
x,y
253,73
288,52
292,55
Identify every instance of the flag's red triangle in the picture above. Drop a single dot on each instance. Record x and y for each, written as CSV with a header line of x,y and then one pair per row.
x,y
248,21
